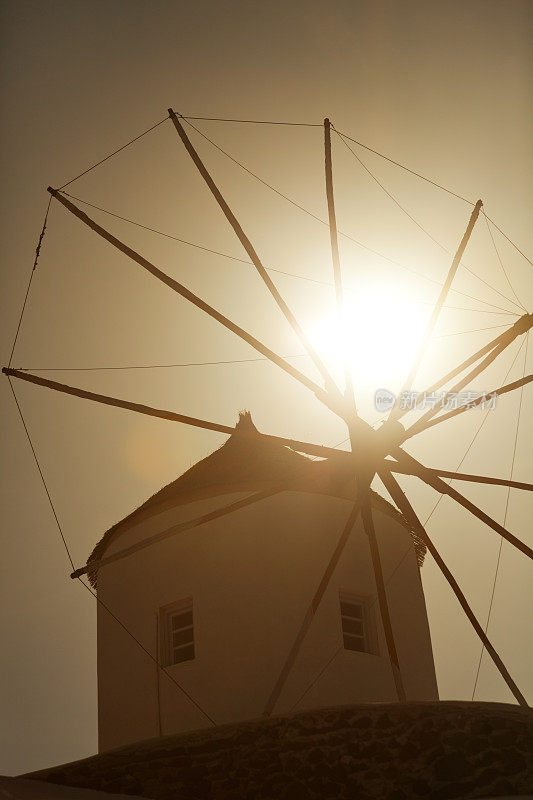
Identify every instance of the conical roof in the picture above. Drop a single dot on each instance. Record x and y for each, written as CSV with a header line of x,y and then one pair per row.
x,y
248,462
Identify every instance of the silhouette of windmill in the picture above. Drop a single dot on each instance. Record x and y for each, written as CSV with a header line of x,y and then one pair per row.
x,y
372,452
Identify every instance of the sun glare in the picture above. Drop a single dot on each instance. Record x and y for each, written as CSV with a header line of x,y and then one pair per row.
x,y
381,333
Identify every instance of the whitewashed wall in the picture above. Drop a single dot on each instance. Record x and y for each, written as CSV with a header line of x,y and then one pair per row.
x,y
251,576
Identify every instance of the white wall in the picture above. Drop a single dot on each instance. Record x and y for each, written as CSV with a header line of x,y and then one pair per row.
x,y
252,575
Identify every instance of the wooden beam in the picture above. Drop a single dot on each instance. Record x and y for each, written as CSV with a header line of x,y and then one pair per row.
x,y
254,258
393,466
337,274
424,422
368,523
323,396
441,486
481,367
303,447
179,528
394,415
405,507
312,609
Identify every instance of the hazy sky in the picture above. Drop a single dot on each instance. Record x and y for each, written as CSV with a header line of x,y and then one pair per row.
x,y
443,87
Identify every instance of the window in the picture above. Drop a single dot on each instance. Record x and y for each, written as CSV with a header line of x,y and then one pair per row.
x,y
177,640
357,631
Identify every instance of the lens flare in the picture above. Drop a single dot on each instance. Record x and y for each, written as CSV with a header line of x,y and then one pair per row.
x,y
379,336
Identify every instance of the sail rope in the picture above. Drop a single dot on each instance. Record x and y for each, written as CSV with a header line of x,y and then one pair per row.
x,y
488,224
425,230
324,222
34,267
214,363
292,274
156,366
370,150
297,124
478,431
498,560
94,594
114,153
279,271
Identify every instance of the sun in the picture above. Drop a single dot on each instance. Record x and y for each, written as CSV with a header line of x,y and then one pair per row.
x,y
380,334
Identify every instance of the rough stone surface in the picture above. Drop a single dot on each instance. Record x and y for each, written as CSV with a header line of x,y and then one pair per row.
x,y
365,752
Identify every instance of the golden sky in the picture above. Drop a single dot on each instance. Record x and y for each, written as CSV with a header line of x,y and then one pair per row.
x,y
442,87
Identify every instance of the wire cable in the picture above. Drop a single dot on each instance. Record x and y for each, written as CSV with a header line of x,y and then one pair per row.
x,y
510,241
36,259
475,330
148,653
406,169
67,550
155,230
42,475
503,523
421,227
256,121
370,150
297,124
478,431
316,678
341,647
500,260
324,222
389,194
272,269
154,366
257,178
114,153
355,141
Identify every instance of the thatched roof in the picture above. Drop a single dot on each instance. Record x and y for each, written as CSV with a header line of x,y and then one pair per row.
x,y
248,462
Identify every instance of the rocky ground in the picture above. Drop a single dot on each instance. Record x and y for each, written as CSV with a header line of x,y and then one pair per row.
x,y
365,752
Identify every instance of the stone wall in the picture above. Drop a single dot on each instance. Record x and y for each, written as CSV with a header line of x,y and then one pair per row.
x,y
365,752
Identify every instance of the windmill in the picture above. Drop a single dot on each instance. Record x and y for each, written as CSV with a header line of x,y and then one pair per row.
x,y
372,452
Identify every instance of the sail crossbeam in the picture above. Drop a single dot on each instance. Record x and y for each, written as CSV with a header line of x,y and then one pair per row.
x,y
428,477
394,466
303,447
368,524
424,423
403,504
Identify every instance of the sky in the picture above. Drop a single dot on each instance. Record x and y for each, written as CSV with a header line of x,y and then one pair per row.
x,y
444,88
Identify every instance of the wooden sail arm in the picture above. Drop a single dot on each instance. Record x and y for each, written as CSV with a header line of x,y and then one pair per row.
x,y
304,447
521,327
337,406
393,466
368,524
335,258
312,609
424,423
407,510
181,527
254,258
428,477
438,305
523,324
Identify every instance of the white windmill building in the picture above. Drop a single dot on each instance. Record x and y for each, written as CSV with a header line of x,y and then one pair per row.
x,y
260,580
217,602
